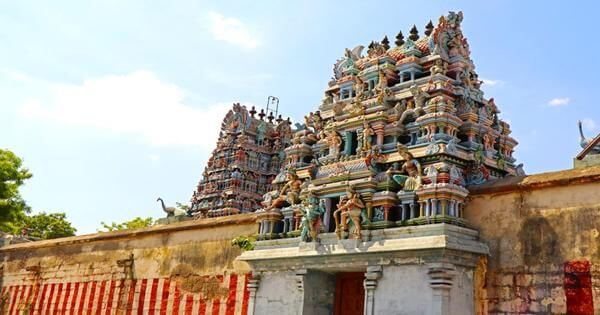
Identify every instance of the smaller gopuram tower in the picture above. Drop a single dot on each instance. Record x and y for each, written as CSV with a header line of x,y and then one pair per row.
x,y
374,187
248,156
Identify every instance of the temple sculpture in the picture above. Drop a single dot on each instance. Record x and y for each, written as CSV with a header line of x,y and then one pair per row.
x,y
399,135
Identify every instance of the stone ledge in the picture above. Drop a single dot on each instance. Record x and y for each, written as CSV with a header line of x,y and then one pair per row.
x,y
248,218
421,238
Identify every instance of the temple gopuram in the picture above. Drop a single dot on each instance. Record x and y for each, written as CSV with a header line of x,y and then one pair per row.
x,y
240,170
401,131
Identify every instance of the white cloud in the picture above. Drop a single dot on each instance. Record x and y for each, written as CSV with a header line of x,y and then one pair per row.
x,y
154,158
231,30
589,124
559,101
136,104
491,82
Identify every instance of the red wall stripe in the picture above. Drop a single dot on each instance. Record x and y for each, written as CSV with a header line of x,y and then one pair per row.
x,y
90,302
47,299
202,307
217,301
82,298
132,284
74,298
55,304
40,299
111,296
142,296
246,295
13,291
233,280
165,297
63,307
189,304
578,288
21,297
152,302
101,297
176,300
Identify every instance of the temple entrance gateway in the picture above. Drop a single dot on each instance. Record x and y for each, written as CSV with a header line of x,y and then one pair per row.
x,y
349,293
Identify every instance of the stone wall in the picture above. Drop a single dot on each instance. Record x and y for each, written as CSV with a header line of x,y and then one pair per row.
x,y
178,268
544,240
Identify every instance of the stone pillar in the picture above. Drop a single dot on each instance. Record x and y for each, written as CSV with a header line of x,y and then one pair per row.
x,y
440,280
253,284
371,276
347,142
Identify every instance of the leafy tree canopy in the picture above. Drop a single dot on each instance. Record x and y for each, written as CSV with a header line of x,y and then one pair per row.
x,y
136,223
45,225
12,176
14,212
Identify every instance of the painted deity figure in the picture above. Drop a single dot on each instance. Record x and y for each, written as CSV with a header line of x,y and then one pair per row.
x,y
438,68
312,213
334,141
382,85
367,136
349,210
359,88
289,192
409,176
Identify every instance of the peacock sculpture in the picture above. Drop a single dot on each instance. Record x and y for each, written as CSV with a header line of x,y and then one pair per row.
x,y
584,142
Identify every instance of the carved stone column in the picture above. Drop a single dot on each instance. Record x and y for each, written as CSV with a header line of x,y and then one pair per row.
x,y
253,284
371,276
440,280
379,132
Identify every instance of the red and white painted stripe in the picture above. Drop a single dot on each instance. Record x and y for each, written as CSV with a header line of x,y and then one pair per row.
x,y
157,296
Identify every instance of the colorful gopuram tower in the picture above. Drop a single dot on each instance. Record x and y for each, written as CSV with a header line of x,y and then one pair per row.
x,y
248,156
399,136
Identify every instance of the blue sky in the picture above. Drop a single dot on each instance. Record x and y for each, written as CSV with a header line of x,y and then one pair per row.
x,y
114,103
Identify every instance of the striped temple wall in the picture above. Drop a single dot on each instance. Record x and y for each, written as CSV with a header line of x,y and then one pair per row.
x,y
181,268
140,296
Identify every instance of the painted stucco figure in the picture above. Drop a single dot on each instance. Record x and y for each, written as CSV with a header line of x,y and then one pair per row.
x,y
349,211
409,176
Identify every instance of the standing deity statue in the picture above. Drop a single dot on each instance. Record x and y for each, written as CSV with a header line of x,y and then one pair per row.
x,y
382,85
366,136
312,213
334,141
409,176
359,88
349,210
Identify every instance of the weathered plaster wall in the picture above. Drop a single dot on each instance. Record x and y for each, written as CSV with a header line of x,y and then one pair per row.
x,y
178,268
544,240
403,290
278,294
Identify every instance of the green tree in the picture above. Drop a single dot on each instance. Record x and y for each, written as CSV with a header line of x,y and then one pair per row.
x,y
136,223
45,225
12,176
14,211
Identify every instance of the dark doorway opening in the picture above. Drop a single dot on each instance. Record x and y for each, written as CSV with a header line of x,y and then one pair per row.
x,y
349,293
333,202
